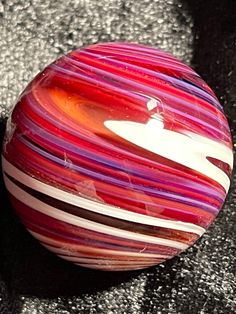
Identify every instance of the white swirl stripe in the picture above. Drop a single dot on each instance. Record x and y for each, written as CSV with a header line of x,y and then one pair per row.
x,y
97,207
55,213
188,149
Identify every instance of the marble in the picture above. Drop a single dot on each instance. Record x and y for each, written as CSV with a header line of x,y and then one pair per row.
x,y
117,156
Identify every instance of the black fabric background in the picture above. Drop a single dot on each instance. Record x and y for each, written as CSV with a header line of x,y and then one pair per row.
x,y
201,280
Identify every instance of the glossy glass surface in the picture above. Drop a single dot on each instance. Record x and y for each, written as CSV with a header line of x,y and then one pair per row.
x,y
117,156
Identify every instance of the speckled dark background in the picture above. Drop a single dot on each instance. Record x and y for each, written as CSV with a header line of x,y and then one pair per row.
x,y
203,34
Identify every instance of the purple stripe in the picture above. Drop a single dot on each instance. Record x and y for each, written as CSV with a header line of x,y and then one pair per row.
x,y
165,63
140,87
61,144
195,90
121,183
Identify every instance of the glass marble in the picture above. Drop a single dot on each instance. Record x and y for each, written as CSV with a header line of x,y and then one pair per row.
x,y
117,156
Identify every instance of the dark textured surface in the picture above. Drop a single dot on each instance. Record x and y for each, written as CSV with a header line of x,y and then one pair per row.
x,y
202,33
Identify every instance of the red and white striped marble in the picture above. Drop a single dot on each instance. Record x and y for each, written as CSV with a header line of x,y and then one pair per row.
x,y
117,156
